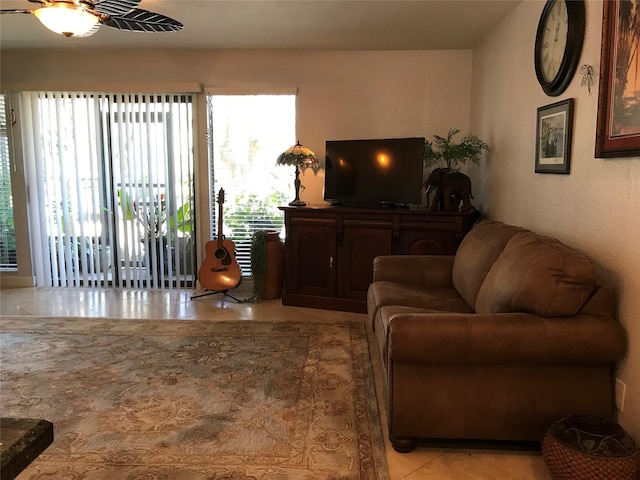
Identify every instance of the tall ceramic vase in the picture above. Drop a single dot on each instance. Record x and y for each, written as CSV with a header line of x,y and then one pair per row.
x,y
274,275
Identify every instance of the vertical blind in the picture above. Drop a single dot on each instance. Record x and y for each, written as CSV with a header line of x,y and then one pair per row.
x,y
111,184
8,260
246,135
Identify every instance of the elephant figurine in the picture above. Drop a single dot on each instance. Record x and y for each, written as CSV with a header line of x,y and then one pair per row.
x,y
451,188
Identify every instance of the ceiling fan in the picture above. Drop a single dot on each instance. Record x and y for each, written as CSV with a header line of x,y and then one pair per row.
x,y
81,18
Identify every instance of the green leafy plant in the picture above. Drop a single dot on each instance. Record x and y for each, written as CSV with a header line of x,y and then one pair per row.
x,y
153,218
258,261
182,220
444,152
250,211
7,229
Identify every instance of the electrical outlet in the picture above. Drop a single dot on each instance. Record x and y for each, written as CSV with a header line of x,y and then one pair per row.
x,y
621,389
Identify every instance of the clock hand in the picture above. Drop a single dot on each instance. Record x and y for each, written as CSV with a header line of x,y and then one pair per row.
x,y
555,42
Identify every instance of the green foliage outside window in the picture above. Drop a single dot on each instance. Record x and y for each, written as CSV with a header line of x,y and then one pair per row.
x,y
7,231
250,213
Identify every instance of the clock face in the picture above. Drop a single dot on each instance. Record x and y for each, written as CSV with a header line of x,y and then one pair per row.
x,y
554,39
559,44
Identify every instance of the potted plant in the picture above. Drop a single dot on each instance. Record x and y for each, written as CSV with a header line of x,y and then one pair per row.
x,y
450,186
444,152
157,224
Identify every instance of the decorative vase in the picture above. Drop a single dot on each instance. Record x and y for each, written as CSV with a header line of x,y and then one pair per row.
x,y
267,264
274,274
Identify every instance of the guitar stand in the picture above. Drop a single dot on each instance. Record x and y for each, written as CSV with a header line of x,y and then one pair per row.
x,y
213,292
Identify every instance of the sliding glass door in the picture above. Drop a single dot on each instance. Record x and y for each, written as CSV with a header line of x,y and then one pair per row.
x,y
111,184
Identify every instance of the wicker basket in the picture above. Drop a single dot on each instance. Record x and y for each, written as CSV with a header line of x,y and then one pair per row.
x,y
587,447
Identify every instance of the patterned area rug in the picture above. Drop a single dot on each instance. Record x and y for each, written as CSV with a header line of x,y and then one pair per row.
x,y
168,399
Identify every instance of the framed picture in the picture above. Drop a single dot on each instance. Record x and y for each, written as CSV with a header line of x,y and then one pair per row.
x,y
553,137
618,128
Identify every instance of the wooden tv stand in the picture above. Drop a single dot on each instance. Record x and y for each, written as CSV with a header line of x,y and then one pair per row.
x,y
329,251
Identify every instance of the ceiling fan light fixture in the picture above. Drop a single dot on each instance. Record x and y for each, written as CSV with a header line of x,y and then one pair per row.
x,y
66,19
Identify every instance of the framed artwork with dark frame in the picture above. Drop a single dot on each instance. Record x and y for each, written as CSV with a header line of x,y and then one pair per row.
x,y
618,128
553,137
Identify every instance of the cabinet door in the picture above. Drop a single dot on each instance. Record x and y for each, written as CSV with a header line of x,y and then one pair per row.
x,y
311,260
422,242
357,247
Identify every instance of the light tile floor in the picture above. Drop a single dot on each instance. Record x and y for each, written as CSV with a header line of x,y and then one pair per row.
x,y
425,463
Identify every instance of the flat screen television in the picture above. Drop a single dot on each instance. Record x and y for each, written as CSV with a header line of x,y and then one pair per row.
x,y
374,173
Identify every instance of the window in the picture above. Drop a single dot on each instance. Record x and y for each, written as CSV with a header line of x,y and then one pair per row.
x,y
8,260
246,135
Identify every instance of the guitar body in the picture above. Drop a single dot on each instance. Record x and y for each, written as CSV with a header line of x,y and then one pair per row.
x,y
220,269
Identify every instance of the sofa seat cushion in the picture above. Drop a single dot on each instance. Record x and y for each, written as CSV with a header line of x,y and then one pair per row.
x,y
539,275
392,293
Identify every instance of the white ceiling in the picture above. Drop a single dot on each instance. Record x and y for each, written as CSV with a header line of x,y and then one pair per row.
x,y
283,24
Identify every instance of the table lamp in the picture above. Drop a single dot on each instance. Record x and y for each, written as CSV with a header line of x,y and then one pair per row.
x,y
301,157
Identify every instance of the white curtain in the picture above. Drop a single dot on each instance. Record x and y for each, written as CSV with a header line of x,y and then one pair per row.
x,y
110,180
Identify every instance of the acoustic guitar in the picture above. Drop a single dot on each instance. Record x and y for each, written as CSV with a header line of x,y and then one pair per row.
x,y
220,270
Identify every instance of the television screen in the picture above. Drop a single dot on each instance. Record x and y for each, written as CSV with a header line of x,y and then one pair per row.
x,y
373,172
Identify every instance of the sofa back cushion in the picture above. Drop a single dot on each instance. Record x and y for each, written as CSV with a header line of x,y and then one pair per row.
x,y
539,275
476,254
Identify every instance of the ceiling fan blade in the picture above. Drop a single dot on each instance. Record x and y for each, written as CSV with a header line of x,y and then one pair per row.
x,y
15,10
116,8
139,20
93,30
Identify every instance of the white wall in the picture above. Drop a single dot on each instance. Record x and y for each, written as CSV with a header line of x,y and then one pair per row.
x,y
596,208
341,95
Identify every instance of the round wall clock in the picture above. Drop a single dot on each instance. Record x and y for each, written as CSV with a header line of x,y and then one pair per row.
x,y
559,44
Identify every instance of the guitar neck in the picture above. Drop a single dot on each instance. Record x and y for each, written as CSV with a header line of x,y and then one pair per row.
x,y
220,235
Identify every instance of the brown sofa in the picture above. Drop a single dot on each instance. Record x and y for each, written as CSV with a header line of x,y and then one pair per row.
x,y
497,342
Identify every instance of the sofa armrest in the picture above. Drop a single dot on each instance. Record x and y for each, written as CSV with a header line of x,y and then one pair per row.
x,y
427,270
505,338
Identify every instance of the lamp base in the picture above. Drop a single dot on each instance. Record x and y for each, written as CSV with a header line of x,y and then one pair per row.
x,y
297,203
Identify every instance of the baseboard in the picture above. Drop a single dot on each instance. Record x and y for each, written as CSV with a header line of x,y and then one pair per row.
x,y
10,280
